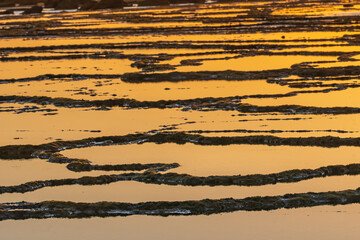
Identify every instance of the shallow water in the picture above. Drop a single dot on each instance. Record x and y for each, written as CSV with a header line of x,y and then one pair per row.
x,y
332,99
220,160
8,70
135,192
258,63
106,88
28,170
318,222
71,124
281,38
32,42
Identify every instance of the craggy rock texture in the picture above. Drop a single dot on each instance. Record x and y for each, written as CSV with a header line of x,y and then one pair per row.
x,y
68,4
258,23
239,75
201,75
57,209
28,151
267,131
29,109
80,166
153,176
205,104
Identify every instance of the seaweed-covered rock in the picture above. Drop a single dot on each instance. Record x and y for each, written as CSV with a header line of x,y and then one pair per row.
x,y
59,209
65,4
186,1
79,166
9,11
34,9
190,62
109,4
154,3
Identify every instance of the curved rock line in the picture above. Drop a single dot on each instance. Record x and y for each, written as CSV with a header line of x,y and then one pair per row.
x,y
186,45
73,76
200,104
31,151
241,75
230,75
237,28
152,176
58,209
80,166
269,131
227,50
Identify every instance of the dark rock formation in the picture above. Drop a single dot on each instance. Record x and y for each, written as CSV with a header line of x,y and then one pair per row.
x,y
58,209
34,9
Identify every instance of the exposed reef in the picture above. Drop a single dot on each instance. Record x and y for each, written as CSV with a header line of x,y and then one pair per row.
x,y
28,151
241,75
267,131
153,176
80,166
58,209
281,57
256,23
29,109
203,104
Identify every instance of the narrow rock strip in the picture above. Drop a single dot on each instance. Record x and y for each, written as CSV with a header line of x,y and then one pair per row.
x,y
286,27
199,104
72,76
78,165
152,176
241,53
31,151
62,57
301,71
58,209
230,75
37,151
225,45
269,131
194,44
150,167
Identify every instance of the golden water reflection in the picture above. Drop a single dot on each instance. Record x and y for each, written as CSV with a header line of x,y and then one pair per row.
x,y
325,222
